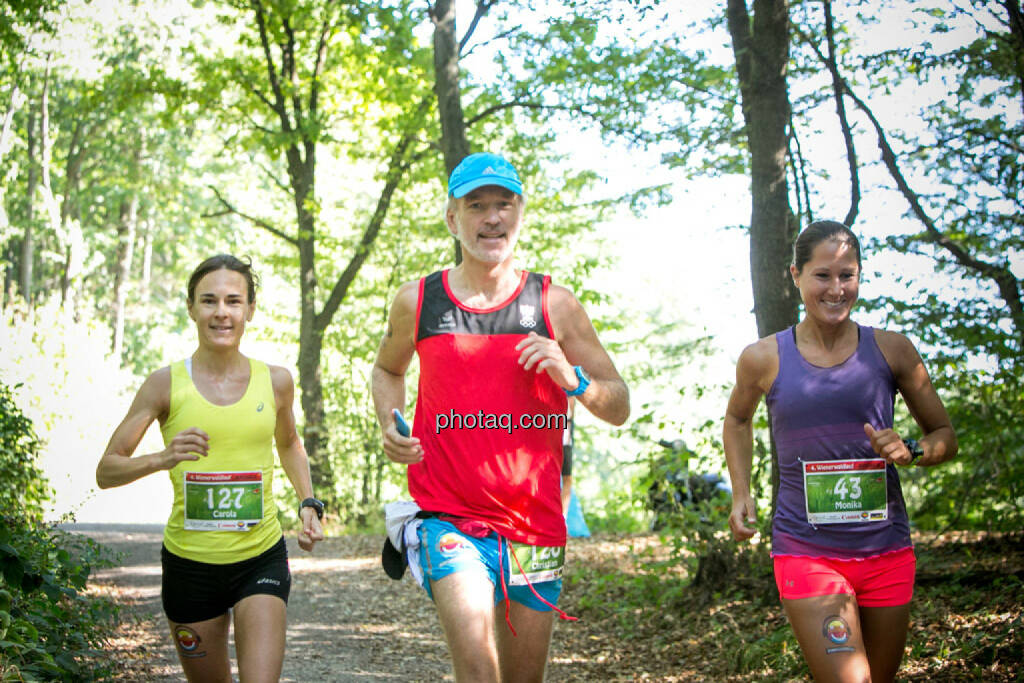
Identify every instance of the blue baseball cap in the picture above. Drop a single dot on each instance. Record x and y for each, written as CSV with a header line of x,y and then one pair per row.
x,y
481,169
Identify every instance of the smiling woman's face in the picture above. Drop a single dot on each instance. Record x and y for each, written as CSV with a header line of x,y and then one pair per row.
x,y
829,282
221,308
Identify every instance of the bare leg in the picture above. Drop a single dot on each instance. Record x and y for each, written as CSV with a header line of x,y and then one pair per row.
x,y
829,631
524,656
465,606
885,635
259,638
202,648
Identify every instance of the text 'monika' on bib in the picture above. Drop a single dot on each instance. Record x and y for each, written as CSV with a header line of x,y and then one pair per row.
x,y
223,501
843,491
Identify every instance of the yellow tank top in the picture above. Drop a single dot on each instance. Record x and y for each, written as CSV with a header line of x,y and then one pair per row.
x,y
223,508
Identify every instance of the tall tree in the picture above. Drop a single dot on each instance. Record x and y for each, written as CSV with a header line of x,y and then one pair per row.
x,y
761,48
299,51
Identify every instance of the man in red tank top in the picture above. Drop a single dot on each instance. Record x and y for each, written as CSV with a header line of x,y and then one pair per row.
x,y
500,351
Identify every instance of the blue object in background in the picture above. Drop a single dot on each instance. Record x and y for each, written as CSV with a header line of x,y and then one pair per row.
x,y
574,521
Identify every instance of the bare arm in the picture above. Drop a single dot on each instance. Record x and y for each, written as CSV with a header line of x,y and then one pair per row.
x,y
938,442
755,372
607,397
388,378
292,454
117,467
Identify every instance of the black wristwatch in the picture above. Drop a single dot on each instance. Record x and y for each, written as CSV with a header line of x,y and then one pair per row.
x,y
915,450
316,504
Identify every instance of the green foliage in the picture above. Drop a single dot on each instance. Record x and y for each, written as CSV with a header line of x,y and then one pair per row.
x,y
25,486
19,20
692,514
49,629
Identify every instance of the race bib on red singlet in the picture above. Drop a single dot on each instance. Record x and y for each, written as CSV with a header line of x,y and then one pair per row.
x,y
536,563
845,491
223,501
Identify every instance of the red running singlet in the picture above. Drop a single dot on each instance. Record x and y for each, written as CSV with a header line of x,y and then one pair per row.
x,y
507,477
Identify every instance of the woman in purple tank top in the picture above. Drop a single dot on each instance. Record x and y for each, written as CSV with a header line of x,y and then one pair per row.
x,y
844,563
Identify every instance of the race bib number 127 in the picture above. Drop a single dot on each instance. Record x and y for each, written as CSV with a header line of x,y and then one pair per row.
x,y
845,491
223,501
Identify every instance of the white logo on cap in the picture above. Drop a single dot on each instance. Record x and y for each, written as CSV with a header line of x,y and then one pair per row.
x,y
490,170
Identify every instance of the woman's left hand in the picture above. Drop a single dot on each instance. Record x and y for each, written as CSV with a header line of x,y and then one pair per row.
x,y
889,445
311,531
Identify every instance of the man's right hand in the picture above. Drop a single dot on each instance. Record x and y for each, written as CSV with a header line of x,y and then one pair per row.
x,y
405,450
744,513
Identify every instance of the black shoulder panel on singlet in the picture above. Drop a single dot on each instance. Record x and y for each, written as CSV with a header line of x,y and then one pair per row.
x,y
440,315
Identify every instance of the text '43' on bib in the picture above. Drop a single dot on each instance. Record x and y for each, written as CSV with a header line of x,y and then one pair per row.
x,y
843,491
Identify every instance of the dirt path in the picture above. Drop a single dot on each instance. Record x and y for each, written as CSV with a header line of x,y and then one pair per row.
x,y
346,620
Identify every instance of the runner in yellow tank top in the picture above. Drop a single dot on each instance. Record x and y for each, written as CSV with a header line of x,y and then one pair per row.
x,y
223,549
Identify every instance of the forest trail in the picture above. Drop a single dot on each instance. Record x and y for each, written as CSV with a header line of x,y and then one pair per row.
x,y
348,622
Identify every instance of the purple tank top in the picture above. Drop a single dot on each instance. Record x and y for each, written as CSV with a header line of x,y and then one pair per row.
x,y
819,414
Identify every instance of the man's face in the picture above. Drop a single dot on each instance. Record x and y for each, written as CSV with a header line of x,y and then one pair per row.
x,y
486,222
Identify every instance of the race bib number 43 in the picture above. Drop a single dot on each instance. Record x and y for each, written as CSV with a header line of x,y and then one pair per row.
x,y
536,564
223,501
844,491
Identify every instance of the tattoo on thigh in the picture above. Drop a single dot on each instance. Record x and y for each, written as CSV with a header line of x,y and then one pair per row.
x,y
188,642
836,631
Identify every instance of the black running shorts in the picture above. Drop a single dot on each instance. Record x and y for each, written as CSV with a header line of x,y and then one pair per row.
x,y
196,591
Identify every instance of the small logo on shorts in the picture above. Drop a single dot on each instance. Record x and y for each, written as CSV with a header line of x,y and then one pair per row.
x,y
836,630
259,408
450,543
269,580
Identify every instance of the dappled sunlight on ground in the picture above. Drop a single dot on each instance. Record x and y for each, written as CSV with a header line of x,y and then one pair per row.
x,y
639,621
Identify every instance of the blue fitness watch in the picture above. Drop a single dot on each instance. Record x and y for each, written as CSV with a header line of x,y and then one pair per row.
x,y
584,382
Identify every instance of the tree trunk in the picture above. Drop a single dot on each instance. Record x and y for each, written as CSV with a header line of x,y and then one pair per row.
x,y
123,268
311,339
762,57
28,236
70,219
17,99
9,275
51,211
454,145
147,260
